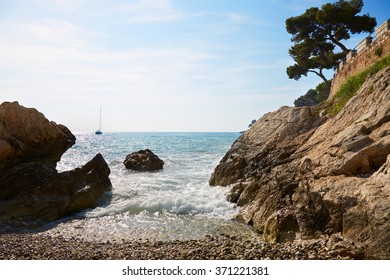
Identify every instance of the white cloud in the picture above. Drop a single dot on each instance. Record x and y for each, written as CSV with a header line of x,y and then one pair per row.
x,y
58,58
245,19
53,31
68,63
62,3
68,5
302,5
150,11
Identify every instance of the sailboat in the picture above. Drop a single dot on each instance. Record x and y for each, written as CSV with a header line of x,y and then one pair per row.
x,y
99,131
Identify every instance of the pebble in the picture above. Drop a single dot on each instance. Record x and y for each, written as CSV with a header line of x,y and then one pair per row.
x,y
220,247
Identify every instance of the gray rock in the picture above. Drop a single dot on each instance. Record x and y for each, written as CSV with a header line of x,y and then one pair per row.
x,y
355,143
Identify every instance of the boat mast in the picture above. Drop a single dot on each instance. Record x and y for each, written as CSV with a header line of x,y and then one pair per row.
x,y
100,119
99,131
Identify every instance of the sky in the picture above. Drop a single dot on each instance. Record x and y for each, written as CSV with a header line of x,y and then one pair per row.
x,y
153,65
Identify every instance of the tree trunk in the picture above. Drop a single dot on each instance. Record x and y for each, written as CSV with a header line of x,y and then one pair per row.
x,y
319,74
334,41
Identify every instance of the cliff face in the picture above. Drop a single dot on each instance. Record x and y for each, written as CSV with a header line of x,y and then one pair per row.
x,y
297,174
32,192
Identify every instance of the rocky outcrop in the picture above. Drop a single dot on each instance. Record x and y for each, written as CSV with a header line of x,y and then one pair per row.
x,y
143,160
298,173
31,190
26,135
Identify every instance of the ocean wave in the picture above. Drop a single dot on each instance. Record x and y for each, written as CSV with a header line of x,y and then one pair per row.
x,y
177,194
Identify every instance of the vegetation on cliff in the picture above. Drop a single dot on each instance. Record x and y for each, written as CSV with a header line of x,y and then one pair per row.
x,y
352,85
314,96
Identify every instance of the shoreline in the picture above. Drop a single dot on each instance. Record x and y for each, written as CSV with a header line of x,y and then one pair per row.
x,y
41,246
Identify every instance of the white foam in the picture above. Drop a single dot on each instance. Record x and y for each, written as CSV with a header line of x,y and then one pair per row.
x,y
168,200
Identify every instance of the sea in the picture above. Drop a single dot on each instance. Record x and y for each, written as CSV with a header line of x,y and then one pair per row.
x,y
176,203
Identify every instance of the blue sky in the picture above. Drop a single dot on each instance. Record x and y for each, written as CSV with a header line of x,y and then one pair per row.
x,y
153,65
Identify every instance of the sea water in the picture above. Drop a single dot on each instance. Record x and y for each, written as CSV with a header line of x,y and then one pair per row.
x,y
174,203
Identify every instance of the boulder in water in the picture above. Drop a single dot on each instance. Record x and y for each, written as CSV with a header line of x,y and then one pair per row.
x,y
143,160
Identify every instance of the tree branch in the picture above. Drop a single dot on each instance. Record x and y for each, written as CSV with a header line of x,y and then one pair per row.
x,y
319,74
334,41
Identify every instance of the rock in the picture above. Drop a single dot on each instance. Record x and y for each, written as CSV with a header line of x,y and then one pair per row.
x,y
39,194
32,192
143,160
356,143
27,136
296,174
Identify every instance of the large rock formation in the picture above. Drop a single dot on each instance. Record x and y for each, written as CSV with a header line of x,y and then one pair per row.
x,y
298,173
31,189
26,135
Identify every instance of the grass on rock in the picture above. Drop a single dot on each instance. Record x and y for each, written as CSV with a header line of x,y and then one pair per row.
x,y
352,84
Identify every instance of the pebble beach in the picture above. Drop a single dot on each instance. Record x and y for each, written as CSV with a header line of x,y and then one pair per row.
x,y
38,246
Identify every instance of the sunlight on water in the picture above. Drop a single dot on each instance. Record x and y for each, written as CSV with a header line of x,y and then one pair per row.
x,y
175,203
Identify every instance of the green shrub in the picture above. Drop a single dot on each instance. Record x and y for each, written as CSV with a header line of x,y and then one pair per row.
x,y
378,51
352,85
314,96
